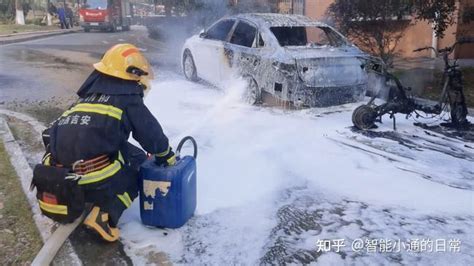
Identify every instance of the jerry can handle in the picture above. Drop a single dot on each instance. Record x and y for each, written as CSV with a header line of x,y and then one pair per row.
x,y
181,143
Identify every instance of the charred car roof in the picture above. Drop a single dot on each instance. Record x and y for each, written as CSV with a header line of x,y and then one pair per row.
x,y
278,20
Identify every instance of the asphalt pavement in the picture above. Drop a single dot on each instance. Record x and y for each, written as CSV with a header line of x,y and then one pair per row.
x,y
49,71
33,35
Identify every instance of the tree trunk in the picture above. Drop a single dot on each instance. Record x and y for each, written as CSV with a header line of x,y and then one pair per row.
x,y
19,17
168,6
49,19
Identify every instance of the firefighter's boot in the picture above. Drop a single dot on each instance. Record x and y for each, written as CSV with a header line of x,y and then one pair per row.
x,y
98,221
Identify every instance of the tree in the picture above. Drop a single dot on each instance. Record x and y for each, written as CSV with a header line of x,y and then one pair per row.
x,y
19,16
439,12
375,25
168,7
378,25
468,15
7,10
243,6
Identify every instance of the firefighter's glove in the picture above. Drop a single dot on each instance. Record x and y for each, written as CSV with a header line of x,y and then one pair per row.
x,y
167,160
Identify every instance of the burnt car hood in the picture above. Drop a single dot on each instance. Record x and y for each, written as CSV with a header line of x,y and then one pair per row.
x,y
328,66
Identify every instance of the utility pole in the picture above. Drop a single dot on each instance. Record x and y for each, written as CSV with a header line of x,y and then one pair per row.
x,y
19,17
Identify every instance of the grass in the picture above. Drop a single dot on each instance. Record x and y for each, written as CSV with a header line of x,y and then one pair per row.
x,y
437,86
19,238
14,28
45,114
469,85
26,136
432,89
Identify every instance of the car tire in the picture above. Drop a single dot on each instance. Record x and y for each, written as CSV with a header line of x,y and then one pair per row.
x,y
126,28
87,29
253,93
189,68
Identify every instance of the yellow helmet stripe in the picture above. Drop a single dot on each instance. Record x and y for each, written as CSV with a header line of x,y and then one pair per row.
x,y
129,52
53,208
102,109
100,175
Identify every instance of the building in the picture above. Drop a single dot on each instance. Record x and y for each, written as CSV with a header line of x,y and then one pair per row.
x,y
419,34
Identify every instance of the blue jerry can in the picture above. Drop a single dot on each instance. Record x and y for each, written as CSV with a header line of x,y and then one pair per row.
x,y
168,194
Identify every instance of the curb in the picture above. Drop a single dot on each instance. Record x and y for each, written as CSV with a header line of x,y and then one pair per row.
x,y
25,174
4,39
28,33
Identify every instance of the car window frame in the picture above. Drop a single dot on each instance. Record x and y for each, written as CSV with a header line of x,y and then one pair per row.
x,y
255,44
260,37
345,41
231,30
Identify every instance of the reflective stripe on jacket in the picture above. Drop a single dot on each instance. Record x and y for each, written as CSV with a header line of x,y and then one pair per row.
x,y
100,123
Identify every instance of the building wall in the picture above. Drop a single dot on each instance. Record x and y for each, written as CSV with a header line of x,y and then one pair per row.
x,y
466,30
292,6
316,9
419,34
450,36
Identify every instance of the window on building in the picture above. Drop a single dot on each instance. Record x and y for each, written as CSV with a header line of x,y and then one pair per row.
x,y
244,35
220,31
291,6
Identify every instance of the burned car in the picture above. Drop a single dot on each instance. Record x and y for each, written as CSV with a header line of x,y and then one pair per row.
x,y
289,57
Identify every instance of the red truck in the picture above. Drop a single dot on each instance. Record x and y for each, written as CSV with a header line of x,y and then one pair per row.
x,y
109,15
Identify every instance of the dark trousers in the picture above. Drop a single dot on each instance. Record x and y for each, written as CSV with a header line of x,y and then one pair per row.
x,y
64,24
106,194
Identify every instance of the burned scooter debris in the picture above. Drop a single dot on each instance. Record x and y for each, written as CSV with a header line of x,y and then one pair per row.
x,y
400,101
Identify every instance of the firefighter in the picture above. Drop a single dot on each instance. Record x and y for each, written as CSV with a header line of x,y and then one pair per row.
x,y
91,138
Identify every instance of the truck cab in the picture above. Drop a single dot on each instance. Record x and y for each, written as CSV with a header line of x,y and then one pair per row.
x,y
111,15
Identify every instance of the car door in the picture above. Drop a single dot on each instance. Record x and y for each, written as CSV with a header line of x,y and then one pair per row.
x,y
210,50
242,51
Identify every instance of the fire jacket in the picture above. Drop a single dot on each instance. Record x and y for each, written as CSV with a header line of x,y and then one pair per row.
x,y
100,123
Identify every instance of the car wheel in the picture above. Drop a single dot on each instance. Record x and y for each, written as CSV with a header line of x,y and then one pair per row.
x,y
87,30
189,68
126,28
252,94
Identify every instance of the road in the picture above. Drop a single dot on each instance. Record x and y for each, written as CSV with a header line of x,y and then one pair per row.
x,y
48,72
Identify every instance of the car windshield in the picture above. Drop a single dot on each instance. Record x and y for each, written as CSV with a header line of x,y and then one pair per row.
x,y
307,36
96,4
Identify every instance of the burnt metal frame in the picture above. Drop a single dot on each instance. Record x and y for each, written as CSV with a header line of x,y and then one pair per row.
x,y
399,101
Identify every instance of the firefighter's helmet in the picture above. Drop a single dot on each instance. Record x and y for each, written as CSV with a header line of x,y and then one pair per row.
x,y
125,61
